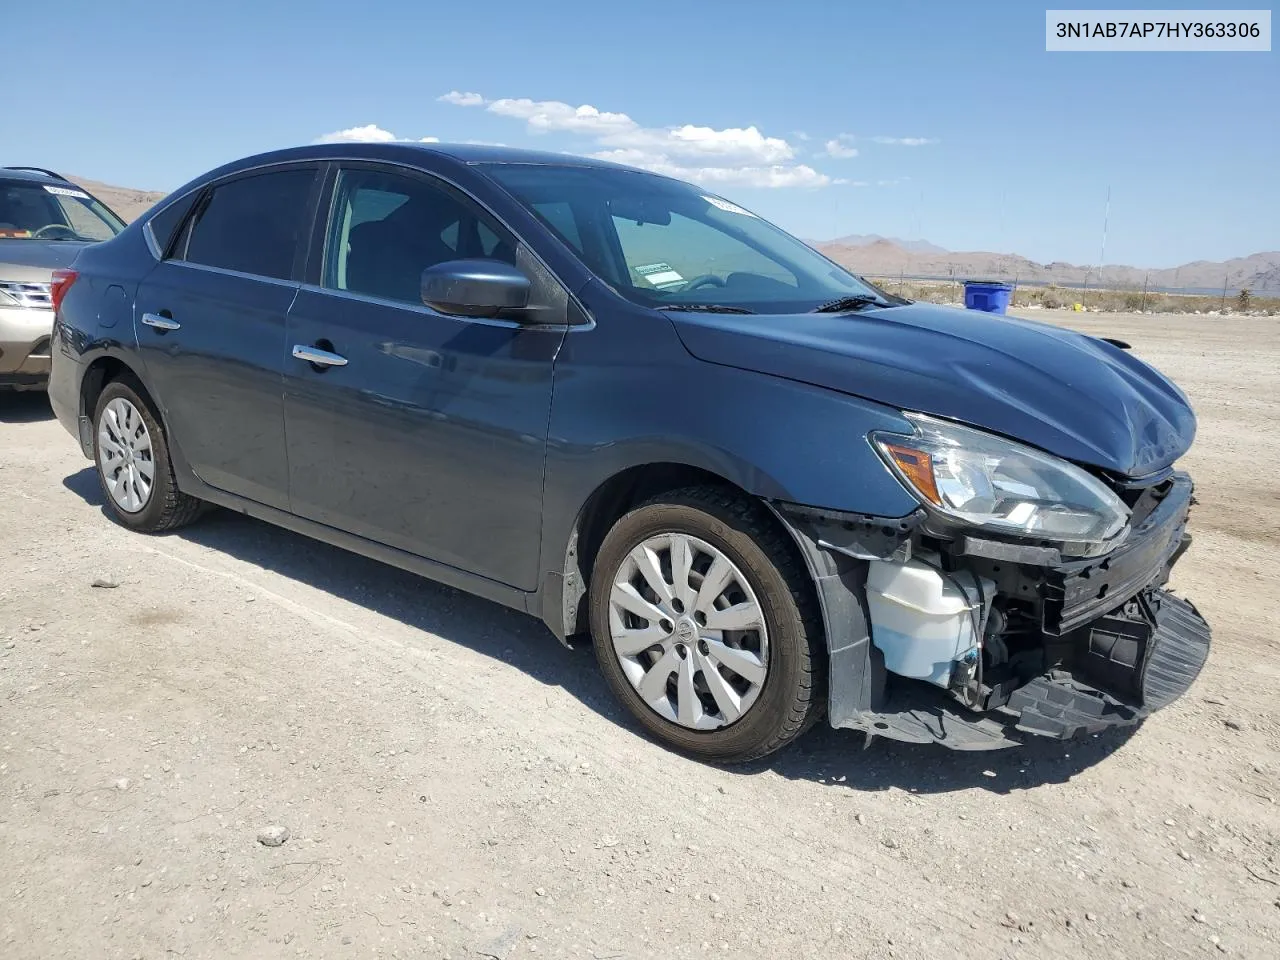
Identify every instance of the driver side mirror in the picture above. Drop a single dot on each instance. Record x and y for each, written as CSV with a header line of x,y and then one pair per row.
x,y
475,288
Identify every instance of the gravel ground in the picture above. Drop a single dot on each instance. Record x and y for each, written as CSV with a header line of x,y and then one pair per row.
x,y
453,783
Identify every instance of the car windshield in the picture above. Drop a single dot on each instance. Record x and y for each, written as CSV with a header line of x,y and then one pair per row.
x,y
31,210
667,244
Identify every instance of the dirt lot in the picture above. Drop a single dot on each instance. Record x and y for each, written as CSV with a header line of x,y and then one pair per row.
x,y
458,785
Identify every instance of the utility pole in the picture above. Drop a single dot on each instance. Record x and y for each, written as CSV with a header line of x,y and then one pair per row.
x,y
1106,216
1145,280
1224,294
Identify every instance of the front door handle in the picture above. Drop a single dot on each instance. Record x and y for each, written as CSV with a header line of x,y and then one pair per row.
x,y
160,322
321,358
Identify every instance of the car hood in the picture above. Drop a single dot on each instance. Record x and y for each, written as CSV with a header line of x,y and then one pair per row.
x,y
1067,393
34,257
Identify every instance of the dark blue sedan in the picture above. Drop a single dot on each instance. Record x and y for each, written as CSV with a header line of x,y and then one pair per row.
x,y
766,490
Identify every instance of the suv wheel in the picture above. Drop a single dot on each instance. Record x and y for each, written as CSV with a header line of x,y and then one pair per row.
x,y
133,463
706,626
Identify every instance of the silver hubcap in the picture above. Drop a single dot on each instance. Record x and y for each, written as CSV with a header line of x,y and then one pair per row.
x,y
688,631
124,455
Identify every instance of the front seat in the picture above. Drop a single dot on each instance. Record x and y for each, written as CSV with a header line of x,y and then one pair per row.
x,y
387,257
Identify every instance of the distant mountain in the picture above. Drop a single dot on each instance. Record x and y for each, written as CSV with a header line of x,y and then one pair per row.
x,y
130,204
867,239
1259,272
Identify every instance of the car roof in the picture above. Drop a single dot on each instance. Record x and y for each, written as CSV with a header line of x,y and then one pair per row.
x,y
409,152
33,174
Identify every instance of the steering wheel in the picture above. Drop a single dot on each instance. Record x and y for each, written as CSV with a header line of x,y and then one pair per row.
x,y
37,234
707,279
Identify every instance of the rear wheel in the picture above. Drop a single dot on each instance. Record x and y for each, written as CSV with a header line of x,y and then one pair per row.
x,y
134,469
706,626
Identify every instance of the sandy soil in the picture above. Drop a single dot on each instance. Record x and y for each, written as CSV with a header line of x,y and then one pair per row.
x,y
457,785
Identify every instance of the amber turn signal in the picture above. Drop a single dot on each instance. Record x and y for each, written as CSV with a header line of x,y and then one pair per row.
x,y
917,467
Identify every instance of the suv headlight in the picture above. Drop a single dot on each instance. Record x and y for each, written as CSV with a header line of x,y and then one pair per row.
x,y
24,293
985,481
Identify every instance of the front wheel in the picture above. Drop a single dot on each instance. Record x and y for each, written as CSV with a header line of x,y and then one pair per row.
x,y
706,626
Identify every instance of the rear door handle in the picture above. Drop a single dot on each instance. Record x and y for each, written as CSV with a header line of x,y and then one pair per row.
x,y
321,358
160,323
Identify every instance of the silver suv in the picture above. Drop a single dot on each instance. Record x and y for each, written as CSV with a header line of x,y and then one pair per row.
x,y
45,220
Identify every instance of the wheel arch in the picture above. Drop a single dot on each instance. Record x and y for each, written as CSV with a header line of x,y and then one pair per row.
x,y
102,371
566,585
108,367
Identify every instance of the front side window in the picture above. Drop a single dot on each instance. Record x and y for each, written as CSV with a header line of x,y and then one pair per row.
x,y
386,228
253,224
39,211
663,243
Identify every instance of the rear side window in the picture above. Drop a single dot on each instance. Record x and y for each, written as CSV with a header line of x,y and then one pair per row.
x,y
165,224
253,224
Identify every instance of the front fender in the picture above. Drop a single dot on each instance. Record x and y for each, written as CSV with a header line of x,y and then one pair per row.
x,y
775,439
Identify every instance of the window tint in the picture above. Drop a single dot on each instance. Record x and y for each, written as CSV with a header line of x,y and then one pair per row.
x,y
253,224
164,223
386,229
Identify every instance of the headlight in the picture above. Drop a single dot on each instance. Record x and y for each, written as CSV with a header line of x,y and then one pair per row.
x,y
993,483
22,293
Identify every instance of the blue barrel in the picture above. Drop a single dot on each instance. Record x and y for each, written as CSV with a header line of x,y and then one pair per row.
x,y
990,296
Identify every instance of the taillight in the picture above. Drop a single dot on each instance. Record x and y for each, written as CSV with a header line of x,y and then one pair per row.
x,y
62,281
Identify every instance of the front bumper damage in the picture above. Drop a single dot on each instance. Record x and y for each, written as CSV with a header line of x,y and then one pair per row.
x,y
1067,647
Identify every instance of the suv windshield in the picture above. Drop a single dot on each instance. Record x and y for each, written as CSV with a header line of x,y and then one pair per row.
x,y
31,210
663,243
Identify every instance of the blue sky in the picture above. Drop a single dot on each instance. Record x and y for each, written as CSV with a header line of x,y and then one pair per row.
x,y
1021,144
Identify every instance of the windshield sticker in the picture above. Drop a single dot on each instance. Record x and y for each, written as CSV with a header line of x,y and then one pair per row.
x,y
726,206
65,192
660,275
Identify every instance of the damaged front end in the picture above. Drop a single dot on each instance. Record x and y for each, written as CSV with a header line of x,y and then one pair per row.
x,y
951,625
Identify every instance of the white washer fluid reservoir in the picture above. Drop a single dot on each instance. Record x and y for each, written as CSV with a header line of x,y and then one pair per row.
x,y
923,620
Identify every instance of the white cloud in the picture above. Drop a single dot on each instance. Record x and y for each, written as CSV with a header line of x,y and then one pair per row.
x,y
732,141
839,147
732,155
905,141
776,175
746,144
460,99
369,133
546,115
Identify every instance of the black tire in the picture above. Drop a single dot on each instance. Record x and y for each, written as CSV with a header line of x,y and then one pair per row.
x,y
168,507
794,691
